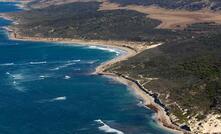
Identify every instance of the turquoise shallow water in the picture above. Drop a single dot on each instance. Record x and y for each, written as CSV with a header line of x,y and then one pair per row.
x,y
47,88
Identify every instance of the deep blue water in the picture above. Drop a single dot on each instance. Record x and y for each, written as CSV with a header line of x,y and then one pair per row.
x,y
9,7
47,88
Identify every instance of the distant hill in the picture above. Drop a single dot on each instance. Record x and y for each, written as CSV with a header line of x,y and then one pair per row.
x,y
171,4
176,4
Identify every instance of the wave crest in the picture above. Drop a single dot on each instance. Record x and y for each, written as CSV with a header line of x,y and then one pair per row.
x,y
7,64
107,129
67,77
62,98
36,63
106,49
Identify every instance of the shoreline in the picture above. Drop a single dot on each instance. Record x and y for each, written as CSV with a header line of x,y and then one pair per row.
x,y
127,50
131,49
163,120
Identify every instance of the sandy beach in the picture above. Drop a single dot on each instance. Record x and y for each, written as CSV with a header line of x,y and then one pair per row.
x,y
130,49
147,100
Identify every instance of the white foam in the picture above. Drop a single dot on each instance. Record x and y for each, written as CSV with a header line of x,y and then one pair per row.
x,y
92,62
67,77
62,98
54,69
106,49
42,77
14,82
141,104
7,64
41,62
18,87
67,65
74,61
63,66
7,73
36,63
17,76
107,129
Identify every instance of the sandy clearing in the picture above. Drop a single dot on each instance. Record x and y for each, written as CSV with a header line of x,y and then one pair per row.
x,y
46,3
170,19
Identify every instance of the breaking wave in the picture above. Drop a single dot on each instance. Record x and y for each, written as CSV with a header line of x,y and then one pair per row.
x,y
92,62
62,66
107,129
67,77
15,81
44,77
36,63
74,61
17,76
29,63
7,64
106,49
18,87
66,64
141,104
62,98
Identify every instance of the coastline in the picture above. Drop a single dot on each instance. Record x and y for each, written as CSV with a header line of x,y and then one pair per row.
x,y
163,120
131,49
149,100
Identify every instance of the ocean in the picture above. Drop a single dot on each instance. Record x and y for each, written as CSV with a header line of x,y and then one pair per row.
x,y
48,88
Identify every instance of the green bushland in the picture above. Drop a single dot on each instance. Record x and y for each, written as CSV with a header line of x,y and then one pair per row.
x,y
84,21
189,72
188,64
